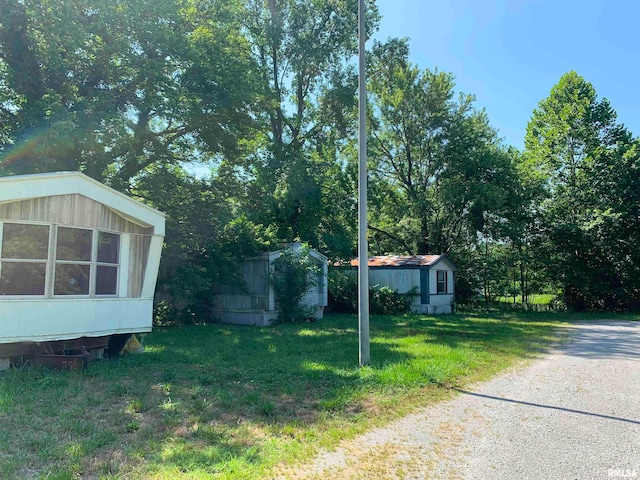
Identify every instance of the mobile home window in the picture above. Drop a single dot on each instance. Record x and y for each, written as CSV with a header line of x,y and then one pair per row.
x,y
108,259
81,261
81,264
442,281
24,251
73,261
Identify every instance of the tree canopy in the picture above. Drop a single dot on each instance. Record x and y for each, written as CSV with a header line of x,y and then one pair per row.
x,y
587,210
238,119
439,174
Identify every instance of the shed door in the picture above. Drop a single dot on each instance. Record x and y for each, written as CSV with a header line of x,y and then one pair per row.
x,y
424,287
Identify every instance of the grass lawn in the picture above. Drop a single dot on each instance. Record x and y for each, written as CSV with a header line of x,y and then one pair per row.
x,y
221,401
534,299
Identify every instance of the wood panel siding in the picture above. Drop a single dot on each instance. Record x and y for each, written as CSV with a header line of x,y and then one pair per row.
x,y
242,302
138,256
255,274
75,210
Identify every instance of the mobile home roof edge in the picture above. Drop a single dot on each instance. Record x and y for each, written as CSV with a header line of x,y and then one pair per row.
x,y
64,183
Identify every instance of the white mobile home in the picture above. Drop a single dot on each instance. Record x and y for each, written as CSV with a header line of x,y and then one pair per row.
x,y
430,277
78,260
256,303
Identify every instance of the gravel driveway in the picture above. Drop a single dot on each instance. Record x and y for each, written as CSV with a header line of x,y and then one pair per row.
x,y
573,414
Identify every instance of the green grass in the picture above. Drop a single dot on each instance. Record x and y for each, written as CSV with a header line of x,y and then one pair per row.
x,y
238,402
534,299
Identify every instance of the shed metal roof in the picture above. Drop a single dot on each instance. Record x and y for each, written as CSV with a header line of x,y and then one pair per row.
x,y
295,246
406,261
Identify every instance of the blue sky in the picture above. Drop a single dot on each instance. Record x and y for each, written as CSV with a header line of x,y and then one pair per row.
x,y
510,53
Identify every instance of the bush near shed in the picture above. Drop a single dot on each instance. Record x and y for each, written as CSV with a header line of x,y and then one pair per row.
x,y
343,296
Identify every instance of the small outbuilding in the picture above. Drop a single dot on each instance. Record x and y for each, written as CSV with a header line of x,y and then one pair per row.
x,y
78,264
429,277
255,302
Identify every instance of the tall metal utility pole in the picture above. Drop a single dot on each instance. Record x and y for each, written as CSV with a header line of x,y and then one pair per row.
x,y
363,247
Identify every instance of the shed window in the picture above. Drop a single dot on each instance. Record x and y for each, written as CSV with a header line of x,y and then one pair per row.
x,y
23,259
442,281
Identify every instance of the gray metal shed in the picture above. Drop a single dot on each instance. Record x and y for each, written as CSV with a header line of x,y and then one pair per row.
x,y
256,305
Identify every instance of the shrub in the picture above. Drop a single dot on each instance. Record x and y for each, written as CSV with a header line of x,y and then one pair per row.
x,y
343,291
343,296
385,301
294,272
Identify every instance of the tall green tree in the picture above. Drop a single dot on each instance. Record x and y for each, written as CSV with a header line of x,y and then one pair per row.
x,y
439,174
585,157
302,49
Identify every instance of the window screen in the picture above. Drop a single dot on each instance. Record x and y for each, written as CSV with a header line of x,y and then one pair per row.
x,y
108,259
23,259
25,241
74,244
22,278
